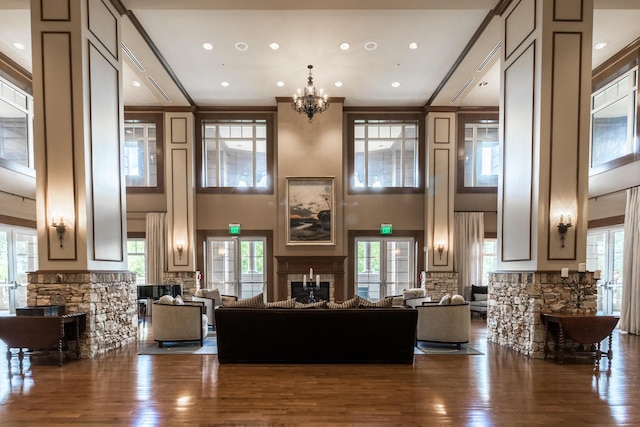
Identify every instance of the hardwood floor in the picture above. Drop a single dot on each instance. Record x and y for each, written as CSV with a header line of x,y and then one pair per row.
x,y
498,388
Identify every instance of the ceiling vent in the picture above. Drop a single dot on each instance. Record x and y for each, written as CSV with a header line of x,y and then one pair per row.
x,y
484,63
461,90
158,88
132,57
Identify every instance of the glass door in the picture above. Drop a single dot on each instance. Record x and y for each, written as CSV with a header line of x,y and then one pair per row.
x,y
383,266
236,265
18,256
604,252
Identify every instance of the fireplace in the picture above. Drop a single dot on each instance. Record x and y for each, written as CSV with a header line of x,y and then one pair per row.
x,y
310,293
292,269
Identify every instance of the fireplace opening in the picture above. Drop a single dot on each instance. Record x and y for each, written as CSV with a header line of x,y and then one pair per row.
x,y
310,293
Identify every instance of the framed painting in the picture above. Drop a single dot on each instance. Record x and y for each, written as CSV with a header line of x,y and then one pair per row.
x,y
310,216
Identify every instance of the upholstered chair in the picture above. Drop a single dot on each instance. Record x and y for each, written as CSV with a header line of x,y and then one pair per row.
x,y
443,323
185,322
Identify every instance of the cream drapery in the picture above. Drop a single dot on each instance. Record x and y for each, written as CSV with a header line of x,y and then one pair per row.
x,y
469,242
156,237
630,309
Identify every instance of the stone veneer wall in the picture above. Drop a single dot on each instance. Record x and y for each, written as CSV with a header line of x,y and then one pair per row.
x,y
185,278
108,298
438,285
517,300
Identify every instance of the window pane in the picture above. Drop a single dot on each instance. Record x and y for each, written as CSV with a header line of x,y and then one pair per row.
x,y
236,154
610,132
14,142
385,154
613,120
481,155
140,162
410,163
136,259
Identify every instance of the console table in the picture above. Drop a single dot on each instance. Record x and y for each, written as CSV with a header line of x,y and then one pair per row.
x,y
42,333
587,329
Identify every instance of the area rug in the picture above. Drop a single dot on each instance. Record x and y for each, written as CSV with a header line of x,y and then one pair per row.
x,y
444,349
189,347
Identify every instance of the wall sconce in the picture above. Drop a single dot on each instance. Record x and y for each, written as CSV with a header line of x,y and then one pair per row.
x,y
564,227
180,248
59,226
440,249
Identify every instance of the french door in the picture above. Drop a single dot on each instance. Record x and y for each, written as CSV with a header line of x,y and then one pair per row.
x,y
236,265
18,256
605,252
384,266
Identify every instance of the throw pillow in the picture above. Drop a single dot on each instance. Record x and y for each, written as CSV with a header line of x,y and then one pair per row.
x,y
480,297
445,300
199,293
319,304
290,303
213,294
479,289
413,293
166,299
457,299
253,302
383,303
228,298
178,300
350,303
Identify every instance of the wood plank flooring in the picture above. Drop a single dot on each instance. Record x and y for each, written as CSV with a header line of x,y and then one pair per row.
x,y
498,388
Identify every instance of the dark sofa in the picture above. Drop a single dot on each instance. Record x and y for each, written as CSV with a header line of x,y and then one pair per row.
x,y
359,335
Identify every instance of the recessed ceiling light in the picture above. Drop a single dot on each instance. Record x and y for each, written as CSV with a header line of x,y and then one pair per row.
x,y
19,46
136,83
242,46
224,84
483,84
371,45
413,45
274,46
207,46
338,84
280,84
599,46
344,46
395,84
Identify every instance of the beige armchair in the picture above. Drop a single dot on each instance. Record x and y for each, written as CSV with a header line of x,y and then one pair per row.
x,y
179,323
443,323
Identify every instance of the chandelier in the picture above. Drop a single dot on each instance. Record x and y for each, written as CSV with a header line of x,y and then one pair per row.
x,y
310,103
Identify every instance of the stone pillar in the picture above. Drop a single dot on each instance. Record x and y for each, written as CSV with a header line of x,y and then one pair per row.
x,y
544,111
77,87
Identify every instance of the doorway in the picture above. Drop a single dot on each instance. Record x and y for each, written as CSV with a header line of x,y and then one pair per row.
x,y
236,265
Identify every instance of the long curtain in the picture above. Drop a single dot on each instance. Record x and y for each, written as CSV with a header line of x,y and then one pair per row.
x,y
630,309
156,237
469,242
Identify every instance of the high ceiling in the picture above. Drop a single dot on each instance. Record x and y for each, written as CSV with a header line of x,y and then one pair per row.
x,y
311,33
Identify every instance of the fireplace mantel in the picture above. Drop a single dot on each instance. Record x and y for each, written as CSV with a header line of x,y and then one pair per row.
x,y
287,265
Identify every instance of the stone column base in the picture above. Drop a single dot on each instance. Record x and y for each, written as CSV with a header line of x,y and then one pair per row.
x,y
109,299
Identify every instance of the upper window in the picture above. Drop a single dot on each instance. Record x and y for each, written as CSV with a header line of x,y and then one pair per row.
x,y
385,153
143,153
614,122
16,121
478,153
236,154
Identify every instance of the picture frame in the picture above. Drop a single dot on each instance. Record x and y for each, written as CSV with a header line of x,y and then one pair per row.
x,y
310,217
